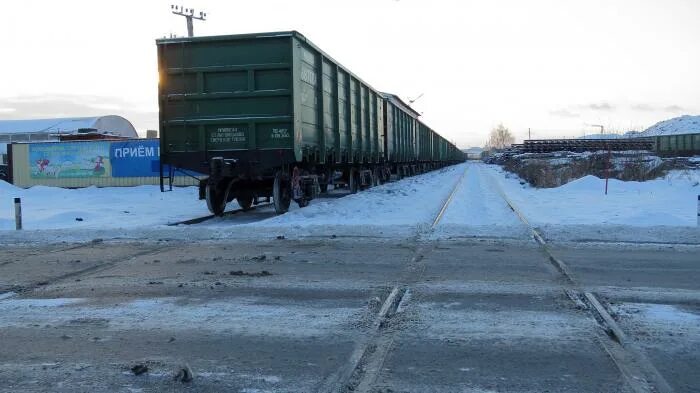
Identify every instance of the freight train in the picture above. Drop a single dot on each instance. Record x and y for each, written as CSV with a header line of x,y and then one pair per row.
x,y
271,115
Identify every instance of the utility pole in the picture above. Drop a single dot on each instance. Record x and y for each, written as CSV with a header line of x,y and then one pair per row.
x,y
189,14
528,134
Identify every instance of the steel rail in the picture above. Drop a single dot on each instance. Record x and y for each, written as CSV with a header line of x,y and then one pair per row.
x,y
637,370
199,220
362,369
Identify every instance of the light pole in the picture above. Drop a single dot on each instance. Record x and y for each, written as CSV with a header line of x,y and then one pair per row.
x,y
189,14
411,101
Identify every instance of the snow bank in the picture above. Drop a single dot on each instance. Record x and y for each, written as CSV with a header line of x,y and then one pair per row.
x,y
678,125
662,210
668,201
92,207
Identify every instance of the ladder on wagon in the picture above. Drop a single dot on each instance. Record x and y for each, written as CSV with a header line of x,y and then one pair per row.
x,y
168,172
170,176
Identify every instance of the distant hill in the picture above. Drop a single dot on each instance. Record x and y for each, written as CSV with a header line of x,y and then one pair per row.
x,y
678,125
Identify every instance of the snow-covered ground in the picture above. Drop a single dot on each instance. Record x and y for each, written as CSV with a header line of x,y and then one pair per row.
x,y
660,210
477,209
670,201
96,208
678,125
685,124
411,202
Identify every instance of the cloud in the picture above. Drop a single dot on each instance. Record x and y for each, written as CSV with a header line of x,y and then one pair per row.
x,y
50,106
603,106
643,108
564,113
674,108
652,108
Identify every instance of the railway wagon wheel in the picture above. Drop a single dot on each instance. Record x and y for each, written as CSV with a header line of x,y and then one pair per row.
x,y
324,180
377,177
245,201
281,193
354,181
216,199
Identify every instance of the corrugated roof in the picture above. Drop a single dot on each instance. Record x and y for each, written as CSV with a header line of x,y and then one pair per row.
x,y
70,125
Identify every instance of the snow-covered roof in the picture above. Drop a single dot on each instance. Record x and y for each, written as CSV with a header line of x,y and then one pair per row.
x,y
112,124
678,125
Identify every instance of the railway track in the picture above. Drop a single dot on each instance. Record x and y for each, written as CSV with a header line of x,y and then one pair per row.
x,y
637,370
362,369
199,220
360,372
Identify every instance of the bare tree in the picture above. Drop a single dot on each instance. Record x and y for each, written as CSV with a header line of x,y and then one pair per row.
x,y
500,138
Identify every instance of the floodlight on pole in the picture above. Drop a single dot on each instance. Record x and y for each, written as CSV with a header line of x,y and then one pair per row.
x,y
189,14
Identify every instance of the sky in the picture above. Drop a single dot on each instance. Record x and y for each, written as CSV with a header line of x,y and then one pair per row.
x,y
554,67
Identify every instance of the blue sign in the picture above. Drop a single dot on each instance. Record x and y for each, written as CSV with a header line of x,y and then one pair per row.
x,y
135,158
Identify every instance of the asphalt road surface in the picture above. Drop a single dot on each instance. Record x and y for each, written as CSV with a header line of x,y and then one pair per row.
x,y
470,315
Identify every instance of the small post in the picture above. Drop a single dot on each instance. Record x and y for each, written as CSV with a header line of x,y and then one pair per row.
x,y
607,171
699,210
18,214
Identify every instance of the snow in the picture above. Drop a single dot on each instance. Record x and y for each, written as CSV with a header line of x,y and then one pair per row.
x,y
670,313
114,124
440,321
670,201
678,125
241,315
660,318
409,202
478,209
659,210
109,207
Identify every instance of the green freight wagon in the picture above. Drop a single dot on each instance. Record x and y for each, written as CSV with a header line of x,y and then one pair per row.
x,y
271,115
677,145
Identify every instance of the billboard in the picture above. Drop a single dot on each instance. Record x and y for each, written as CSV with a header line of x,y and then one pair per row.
x,y
69,160
135,158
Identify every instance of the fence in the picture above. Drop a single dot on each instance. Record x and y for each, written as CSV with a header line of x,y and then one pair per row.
x,y
101,163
